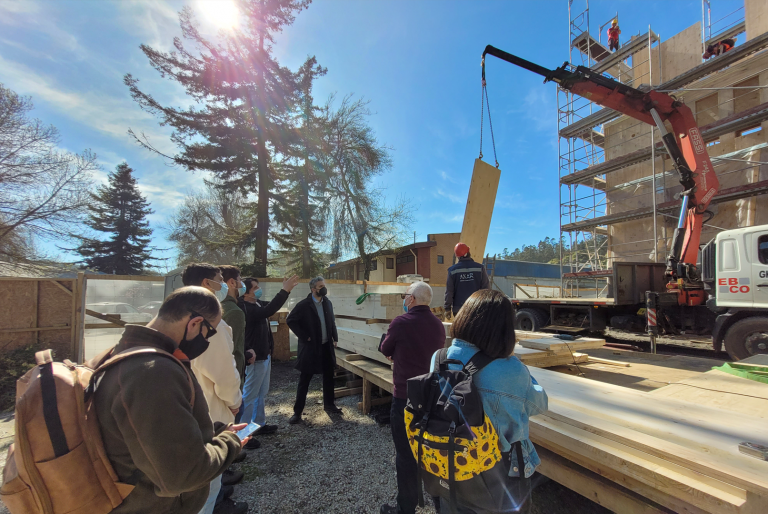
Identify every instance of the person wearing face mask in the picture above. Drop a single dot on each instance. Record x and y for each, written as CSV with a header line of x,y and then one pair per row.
x,y
235,317
411,340
258,350
151,423
219,379
313,323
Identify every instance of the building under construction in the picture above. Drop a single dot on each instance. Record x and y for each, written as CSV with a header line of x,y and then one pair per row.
x,y
617,185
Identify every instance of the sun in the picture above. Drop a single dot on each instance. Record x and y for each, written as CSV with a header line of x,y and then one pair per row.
x,y
221,13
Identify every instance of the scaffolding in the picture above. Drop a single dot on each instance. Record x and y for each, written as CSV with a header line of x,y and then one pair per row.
x,y
583,251
589,203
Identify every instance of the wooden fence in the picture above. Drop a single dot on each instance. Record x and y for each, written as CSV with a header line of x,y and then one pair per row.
x,y
42,313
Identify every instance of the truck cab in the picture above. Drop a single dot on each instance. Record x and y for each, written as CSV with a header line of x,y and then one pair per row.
x,y
735,274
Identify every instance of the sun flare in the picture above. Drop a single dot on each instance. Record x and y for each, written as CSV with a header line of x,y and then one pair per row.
x,y
221,13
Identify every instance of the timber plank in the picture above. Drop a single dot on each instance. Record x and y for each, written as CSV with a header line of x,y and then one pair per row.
x,y
709,438
686,485
593,486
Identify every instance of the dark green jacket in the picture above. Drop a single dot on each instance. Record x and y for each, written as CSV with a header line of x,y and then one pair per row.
x,y
235,318
153,437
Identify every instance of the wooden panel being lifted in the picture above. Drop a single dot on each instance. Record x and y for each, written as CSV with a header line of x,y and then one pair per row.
x,y
480,202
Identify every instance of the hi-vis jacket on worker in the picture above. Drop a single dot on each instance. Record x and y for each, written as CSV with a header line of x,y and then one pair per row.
x,y
464,278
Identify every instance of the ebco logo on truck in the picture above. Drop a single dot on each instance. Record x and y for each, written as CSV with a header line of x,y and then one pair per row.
x,y
733,285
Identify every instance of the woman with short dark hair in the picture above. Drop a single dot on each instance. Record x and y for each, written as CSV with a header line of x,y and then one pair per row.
x,y
510,394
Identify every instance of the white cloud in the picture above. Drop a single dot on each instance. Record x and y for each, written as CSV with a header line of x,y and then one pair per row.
x,y
448,178
155,22
453,198
111,115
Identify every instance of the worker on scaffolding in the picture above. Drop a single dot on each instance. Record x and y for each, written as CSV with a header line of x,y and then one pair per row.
x,y
464,278
719,48
613,35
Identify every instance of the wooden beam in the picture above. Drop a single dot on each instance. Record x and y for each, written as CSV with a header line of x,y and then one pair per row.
x,y
112,318
61,286
78,346
138,278
35,310
366,396
608,361
355,357
594,487
479,209
344,391
34,329
375,401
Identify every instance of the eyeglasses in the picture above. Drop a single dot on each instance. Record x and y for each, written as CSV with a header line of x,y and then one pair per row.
x,y
211,330
403,295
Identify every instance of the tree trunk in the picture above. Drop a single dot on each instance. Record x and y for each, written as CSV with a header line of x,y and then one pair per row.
x,y
261,243
364,257
306,250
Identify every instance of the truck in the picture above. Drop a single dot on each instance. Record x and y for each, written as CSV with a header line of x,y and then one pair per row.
x,y
720,289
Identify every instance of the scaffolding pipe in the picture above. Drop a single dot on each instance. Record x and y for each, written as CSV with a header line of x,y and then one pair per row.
x,y
653,153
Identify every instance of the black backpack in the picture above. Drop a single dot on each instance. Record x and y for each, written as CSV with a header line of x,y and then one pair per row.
x,y
445,416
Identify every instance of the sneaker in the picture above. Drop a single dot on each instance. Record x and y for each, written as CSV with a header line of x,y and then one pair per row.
x,y
267,429
296,418
230,477
227,491
332,409
389,509
253,444
241,456
230,507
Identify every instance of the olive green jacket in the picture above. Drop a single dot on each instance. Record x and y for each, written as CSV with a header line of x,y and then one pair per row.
x,y
153,437
235,318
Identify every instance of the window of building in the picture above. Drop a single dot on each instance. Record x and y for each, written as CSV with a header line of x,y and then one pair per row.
x,y
750,130
762,249
440,259
374,264
409,258
390,263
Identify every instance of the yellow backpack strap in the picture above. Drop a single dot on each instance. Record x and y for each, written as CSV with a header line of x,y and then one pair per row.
x,y
143,350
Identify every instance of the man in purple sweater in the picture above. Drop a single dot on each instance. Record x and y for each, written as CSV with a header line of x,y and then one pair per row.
x,y
411,340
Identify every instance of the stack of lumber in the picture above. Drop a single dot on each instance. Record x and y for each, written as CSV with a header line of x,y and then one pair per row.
x,y
680,455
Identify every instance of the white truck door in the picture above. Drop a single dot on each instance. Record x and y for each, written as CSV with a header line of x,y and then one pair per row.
x,y
759,260
734,277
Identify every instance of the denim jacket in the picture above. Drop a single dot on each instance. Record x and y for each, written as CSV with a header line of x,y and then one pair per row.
x,y
510,396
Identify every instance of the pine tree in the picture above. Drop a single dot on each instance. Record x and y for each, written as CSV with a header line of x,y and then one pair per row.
x,y
247,100
300,209
118,209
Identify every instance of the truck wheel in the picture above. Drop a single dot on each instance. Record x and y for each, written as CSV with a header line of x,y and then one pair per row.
x,y
530,320
747,337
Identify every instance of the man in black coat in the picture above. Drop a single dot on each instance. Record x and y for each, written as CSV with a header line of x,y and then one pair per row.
x,y
314,325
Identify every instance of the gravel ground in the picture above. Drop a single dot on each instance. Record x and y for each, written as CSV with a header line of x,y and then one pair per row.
x,y
340,463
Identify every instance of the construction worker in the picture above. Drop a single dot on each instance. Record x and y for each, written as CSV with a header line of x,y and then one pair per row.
x,y
464,278
719,48
613,36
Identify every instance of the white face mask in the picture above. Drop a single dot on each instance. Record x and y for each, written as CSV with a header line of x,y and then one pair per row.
x,y
222,293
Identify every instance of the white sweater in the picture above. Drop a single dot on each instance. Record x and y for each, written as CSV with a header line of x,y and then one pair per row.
x,y
217,374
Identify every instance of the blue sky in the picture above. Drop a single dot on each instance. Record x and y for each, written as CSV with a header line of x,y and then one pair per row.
x,y
418,62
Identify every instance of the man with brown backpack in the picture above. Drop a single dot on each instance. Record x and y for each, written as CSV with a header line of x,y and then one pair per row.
x,y
132,437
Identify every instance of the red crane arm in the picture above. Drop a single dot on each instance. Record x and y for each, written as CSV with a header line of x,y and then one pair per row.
x,y
684,145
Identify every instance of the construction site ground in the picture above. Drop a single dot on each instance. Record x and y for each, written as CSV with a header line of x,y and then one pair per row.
x,y
345,464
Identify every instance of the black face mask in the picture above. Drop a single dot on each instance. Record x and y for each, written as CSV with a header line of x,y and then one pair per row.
x,y
323,291
195,347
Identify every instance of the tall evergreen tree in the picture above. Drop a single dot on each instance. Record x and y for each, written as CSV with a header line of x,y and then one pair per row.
x,y
247,99
120,210
300,208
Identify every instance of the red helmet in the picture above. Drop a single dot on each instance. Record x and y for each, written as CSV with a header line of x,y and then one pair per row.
x,y
461,250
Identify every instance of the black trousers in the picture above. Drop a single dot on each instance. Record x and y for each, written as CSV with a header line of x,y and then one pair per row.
x,y
408,488
306,378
